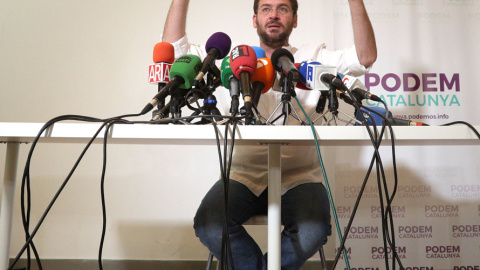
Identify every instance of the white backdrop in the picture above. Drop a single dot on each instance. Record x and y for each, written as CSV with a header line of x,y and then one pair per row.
x,y
91,58
424,73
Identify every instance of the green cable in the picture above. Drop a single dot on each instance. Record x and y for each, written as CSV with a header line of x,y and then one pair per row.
x,y
332,204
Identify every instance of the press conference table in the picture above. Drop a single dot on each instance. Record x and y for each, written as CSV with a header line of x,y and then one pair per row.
x,y
16,134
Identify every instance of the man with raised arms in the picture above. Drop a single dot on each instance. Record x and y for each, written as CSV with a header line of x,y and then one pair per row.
x,y
305,205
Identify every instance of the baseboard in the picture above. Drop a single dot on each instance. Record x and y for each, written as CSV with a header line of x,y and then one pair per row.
x,y
132,265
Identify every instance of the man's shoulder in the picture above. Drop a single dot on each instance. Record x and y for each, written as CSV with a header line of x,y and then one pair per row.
x,y
307,51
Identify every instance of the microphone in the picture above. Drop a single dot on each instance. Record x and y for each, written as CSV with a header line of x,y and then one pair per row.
x,y
379,120
263,79
162,113
332,80
182,75
359,91
230,82
243,61
283,61
163,52
311,72
361,94
159,73
260,52
301,82
217,47
163,57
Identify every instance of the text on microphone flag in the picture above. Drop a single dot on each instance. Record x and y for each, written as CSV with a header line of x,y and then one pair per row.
x,y
159,73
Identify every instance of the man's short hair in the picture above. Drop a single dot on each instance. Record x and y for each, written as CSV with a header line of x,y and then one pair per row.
x,y
293,3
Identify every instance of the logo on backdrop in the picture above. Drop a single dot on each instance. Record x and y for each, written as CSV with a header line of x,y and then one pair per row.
x,y
378,253
348,250
415,231
468,231
459,2
441,211
467,267
369,192
420,191
465,191
442,252
345,212
397,211
415,90
363,232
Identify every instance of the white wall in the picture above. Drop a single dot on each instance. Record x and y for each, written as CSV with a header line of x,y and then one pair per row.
x,y
91,58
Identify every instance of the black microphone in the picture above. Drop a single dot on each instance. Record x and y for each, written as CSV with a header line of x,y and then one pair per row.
x,y
332,80
361,94
162,113
283,61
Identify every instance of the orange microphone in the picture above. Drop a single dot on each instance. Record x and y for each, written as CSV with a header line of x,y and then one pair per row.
x,y
163,57
262,79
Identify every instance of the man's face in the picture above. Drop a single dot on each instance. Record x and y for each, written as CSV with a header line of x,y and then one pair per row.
x,y
274,22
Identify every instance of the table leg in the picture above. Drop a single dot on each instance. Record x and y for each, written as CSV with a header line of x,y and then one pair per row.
x,y
8,193
274,206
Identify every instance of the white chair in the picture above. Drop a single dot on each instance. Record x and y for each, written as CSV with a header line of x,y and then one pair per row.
x,y
263,220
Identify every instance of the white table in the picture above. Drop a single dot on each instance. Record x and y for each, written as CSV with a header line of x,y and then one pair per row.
x,y
14,134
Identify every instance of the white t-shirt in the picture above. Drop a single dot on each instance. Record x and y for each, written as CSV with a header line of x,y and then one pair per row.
x,y
299,163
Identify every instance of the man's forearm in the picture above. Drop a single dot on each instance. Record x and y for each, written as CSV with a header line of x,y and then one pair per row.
x,y
364,37
175,23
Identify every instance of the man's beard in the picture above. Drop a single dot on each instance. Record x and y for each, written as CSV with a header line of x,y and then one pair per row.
x,y
275,42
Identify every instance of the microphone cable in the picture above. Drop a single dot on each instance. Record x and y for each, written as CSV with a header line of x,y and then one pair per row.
x,y
325,178
466,124
385,213
26,201
108,126
225,167
377,155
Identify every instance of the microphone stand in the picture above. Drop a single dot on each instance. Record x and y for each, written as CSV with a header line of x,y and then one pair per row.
x,y
333,105
287,109
209,107
161,102
177,101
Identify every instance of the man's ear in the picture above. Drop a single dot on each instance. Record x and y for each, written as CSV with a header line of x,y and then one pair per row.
x,y
254,20
295,21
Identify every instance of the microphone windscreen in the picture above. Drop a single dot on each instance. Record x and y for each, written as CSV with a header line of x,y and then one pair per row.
x,y
226,72
303,69
277,54
260,52
243,58
186,67
301,82
221,42
265,73
163,52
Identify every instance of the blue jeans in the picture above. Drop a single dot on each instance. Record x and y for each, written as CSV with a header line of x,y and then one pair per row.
x,y
305,217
